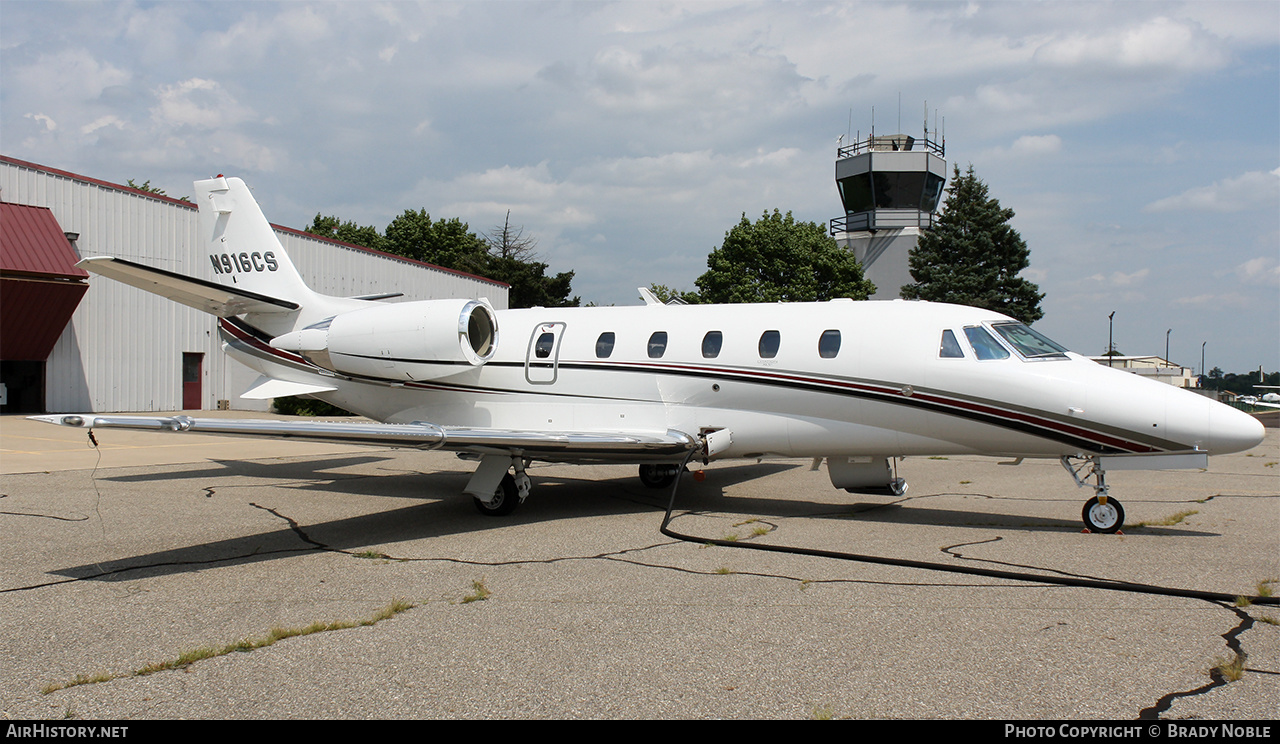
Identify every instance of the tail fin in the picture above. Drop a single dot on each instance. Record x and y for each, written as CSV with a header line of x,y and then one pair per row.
x,y
243,249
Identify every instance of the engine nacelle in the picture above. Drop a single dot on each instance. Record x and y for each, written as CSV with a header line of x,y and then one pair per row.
x,y
406,341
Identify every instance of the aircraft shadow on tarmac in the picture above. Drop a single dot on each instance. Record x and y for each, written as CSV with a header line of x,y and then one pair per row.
x,y
443,510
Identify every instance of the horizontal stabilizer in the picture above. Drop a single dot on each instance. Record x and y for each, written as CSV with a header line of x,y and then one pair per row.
x,y
573,446
216,299
265,388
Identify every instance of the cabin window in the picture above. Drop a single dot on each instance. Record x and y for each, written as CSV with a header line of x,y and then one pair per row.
x,y
950,347
657,344
829,344
984,344
769,342
711,344
604,345
545,343
1028,343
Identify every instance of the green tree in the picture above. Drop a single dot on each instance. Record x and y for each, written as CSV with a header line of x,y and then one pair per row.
x,y
348,232
776,259
972,256
511,258
448,243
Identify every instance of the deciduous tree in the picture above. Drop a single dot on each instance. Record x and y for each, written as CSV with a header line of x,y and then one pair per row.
x,y
777,259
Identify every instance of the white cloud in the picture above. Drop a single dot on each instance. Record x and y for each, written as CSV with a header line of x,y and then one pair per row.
x,y
102,121
1121,279
1156,44
199,103
1252,190
49,124
1262,271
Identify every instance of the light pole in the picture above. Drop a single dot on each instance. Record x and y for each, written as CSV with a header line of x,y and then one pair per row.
x,y
1202,360
1111,346
1166,344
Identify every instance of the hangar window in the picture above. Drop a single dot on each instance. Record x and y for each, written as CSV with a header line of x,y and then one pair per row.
x,y
769,342
950,347
711,344
829,344
604,345
985,346
657,344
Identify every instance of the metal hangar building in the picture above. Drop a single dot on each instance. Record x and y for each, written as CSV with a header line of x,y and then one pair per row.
x,y
70,342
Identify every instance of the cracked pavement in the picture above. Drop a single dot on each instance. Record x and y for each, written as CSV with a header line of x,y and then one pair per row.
x,y
592,613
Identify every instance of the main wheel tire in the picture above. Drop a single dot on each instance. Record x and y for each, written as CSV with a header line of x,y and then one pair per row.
x,y
659,476
505,499
1106,518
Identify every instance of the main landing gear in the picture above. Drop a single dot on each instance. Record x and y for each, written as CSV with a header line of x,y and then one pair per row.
x,y
659,476
1102,513
495,491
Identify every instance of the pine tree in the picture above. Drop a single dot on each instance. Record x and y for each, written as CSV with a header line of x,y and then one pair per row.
x,y
972,255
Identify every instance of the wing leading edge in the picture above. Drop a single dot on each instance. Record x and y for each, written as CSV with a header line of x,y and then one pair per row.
x,y
556,446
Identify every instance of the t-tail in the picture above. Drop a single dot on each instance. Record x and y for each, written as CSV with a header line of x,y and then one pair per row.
x,y
243,250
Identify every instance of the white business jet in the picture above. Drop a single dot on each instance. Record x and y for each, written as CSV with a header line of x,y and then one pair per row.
x,y
856,383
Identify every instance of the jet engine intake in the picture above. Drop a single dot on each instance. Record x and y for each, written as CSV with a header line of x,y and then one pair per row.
x,y
406,341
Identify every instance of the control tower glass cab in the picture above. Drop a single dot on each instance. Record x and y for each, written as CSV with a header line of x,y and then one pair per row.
x,y
890,186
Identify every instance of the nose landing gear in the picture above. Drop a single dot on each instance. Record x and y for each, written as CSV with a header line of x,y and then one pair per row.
x,y
1102,513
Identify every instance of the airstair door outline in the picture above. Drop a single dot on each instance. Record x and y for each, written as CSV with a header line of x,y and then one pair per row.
x,y
542,359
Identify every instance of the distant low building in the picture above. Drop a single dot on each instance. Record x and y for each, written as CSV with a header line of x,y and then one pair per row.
x,y
1154,367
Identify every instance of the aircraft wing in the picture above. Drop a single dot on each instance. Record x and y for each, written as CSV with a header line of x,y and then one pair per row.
x,y
209,297
543,445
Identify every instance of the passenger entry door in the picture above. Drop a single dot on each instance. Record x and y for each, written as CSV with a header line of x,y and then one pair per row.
x,y
542,359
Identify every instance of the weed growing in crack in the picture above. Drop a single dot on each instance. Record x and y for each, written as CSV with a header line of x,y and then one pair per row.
x,y
479,592
1168,521
1231,670
724,570
276,634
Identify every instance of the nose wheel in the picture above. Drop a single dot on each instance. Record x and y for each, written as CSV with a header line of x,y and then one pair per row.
x,y
1103,514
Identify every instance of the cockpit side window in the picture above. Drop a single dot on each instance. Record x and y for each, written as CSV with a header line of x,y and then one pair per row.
x,y
984,344
1028,343
950,347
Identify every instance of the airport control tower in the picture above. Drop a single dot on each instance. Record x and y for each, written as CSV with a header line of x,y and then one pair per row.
x,y
890,186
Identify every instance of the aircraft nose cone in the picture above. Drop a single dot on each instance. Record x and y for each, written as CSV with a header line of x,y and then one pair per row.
x,y
1232,430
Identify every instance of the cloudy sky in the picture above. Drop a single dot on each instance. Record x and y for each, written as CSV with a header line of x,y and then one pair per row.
x,y
1138,142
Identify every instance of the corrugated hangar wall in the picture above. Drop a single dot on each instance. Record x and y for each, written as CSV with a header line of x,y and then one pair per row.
x,y
123,349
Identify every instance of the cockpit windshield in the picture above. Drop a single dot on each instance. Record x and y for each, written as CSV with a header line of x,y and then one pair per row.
x,y
1028,343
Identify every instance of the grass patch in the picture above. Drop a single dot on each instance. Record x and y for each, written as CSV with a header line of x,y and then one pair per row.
x,y
479,592
1269,620
724,570
275,635
1264,587
1231,670
1168,521
1242,601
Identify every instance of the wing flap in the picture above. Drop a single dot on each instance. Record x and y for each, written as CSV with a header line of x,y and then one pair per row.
x,y
561,446
210,297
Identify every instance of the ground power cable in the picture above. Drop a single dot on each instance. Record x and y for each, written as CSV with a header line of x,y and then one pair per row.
x,y
1113,585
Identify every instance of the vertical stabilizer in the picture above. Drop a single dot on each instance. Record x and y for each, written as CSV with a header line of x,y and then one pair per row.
x,y
243,250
